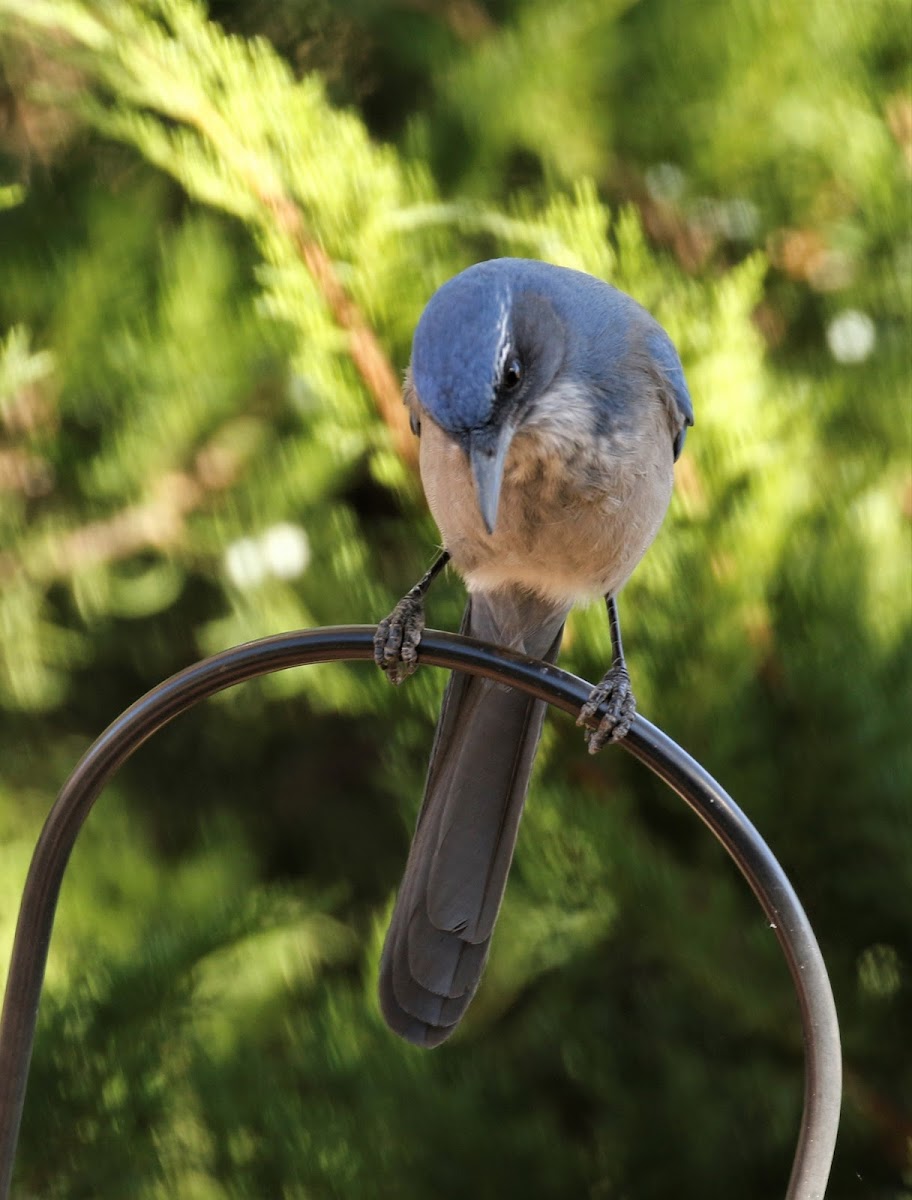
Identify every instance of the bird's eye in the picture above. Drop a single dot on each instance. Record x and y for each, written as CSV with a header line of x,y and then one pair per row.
x,y
415,423
512,376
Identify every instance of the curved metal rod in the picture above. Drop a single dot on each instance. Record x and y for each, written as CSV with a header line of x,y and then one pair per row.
x,y
822,1090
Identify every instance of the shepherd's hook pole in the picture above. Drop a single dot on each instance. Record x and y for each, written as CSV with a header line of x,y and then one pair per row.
x,y
755,861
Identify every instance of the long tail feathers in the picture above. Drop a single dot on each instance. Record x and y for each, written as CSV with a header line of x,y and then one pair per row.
x,y
457,867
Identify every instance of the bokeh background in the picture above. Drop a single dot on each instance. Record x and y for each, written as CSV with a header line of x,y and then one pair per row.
x,y
218,229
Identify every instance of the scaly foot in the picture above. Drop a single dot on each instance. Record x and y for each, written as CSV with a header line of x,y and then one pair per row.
x,y
615,691
397,637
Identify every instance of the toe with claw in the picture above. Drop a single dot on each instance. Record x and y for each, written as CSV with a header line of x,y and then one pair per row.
x,y
397,637
615,692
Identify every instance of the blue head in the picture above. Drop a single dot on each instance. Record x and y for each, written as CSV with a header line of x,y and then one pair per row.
x,y
501,335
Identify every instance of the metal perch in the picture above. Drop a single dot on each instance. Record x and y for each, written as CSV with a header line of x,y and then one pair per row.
x,y
823,1068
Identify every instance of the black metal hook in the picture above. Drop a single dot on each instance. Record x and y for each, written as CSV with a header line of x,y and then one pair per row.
x,y
755,861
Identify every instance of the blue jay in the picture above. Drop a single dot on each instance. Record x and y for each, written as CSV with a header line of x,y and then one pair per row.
x,y
550,409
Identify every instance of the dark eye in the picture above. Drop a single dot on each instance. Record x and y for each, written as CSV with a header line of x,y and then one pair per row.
x,y
512,376
415,422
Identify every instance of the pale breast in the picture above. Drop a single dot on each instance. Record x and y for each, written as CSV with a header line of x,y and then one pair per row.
x,y
574,520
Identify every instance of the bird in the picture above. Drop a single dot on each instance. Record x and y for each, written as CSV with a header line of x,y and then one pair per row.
x,y
550,408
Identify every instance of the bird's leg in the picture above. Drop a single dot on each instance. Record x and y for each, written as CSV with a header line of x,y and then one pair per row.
x,y
613,691
397,637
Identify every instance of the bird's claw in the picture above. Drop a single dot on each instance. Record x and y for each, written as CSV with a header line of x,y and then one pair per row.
x,y
397,637
615,692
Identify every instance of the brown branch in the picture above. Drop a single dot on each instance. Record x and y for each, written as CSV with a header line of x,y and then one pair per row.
x,y
157,523
24,473
893,1126
465,19
368,356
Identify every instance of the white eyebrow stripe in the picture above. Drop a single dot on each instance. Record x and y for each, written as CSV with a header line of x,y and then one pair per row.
x,y
503,339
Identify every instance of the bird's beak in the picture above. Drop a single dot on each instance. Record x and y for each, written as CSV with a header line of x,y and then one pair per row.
x,y
487,455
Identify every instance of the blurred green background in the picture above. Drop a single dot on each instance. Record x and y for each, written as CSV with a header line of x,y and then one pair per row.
x,y
218,229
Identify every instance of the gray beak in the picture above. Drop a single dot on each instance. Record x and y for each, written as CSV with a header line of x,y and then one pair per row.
x,y
487,455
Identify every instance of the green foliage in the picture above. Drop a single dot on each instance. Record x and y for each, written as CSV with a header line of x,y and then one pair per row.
x,y
217,239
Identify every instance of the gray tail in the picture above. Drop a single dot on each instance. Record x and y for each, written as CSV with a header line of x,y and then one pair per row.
x,y
457,868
